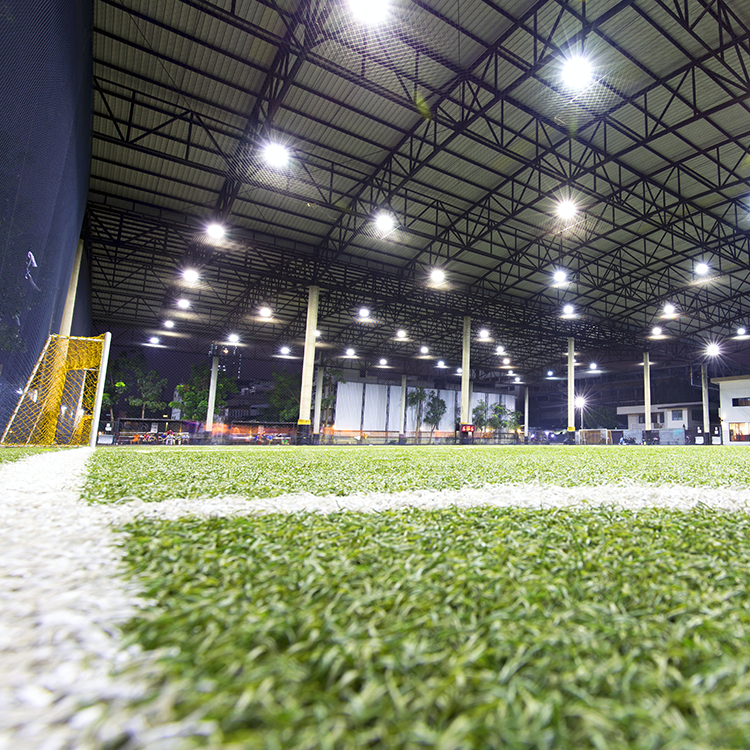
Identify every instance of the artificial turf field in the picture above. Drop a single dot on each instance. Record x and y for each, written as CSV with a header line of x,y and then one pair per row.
x,y
593,627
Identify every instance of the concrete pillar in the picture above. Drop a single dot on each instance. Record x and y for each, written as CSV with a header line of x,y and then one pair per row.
x,y
212,394
466,373
402,412
308,365
318,403
526,414
704,398
647,390
70,300
571,387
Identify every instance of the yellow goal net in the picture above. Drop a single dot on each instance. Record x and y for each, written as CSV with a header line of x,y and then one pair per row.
x,y
61,402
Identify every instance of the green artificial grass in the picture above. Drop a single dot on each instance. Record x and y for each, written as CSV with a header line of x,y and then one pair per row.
x,y
14,452
455,629
154,474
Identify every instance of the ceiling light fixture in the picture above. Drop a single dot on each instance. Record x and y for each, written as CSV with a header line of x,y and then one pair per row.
x,y
569,310
183,303
424,350
383,362
559,277
566,210
437,276
154,340
385,222
669,309
401,333
350,352
169,323
741,331
702,269
369,11
276,155
190,275
285,350
215,231
265,312
484,333
364,313
713,350
577,72
233,338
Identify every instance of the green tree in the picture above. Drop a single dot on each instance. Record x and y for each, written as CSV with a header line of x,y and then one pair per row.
x,y
193,395
114,384
149,389
436,408
415,399
499,417
480,415
283,399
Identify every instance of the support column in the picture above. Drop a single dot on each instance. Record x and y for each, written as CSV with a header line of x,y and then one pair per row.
x,y
318,404
212,394
526,414
70,299
402,413
704,398
571,391
308,364
647,393
466,379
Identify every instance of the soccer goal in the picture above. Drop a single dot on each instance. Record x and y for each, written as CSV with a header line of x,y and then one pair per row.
x,y
62,399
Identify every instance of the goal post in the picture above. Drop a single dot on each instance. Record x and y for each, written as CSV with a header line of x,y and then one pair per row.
x,y
61,402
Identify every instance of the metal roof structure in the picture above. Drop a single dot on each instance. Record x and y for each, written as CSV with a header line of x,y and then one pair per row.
x,y
457,119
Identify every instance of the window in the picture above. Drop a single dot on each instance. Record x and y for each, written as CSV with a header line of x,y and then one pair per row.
x,y
739,432
677,415
696,415
744,401
641,419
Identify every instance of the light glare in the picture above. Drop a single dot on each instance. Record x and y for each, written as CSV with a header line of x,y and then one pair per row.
x,y
369,11
559,277
424,350
401,334
154,339
566,210
568,310
190,275
169,323
364,313
265,312
437,276
713,350
577,72
215,231
183,303
383,362
702,269
350,352
276,155
233,338
741,331
384,222
285,350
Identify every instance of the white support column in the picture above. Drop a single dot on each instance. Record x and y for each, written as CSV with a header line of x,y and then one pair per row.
x,y
212,394
647,390
466,373
571,386
70,300
101,380
308,365
318,400
402,412
526,413
704,397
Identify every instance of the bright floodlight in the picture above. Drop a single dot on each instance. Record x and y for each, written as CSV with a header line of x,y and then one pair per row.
x,y
713,350
383,362
656,331
577,72
437,276
559,277
550,373
424,350
276,155
401,333
459,371
517,380
580,402
350,352
190,275
484,333
669,309
500,350
510,372
265,312
593,366
215,231
441,363
568,310
741,331
317,334
369,11
385,222
506,361
233,338
702,269
364,313
285,350
154,339
566,210
183,303
169,323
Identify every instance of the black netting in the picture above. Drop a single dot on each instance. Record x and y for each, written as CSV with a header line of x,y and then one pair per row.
x,y
45,151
